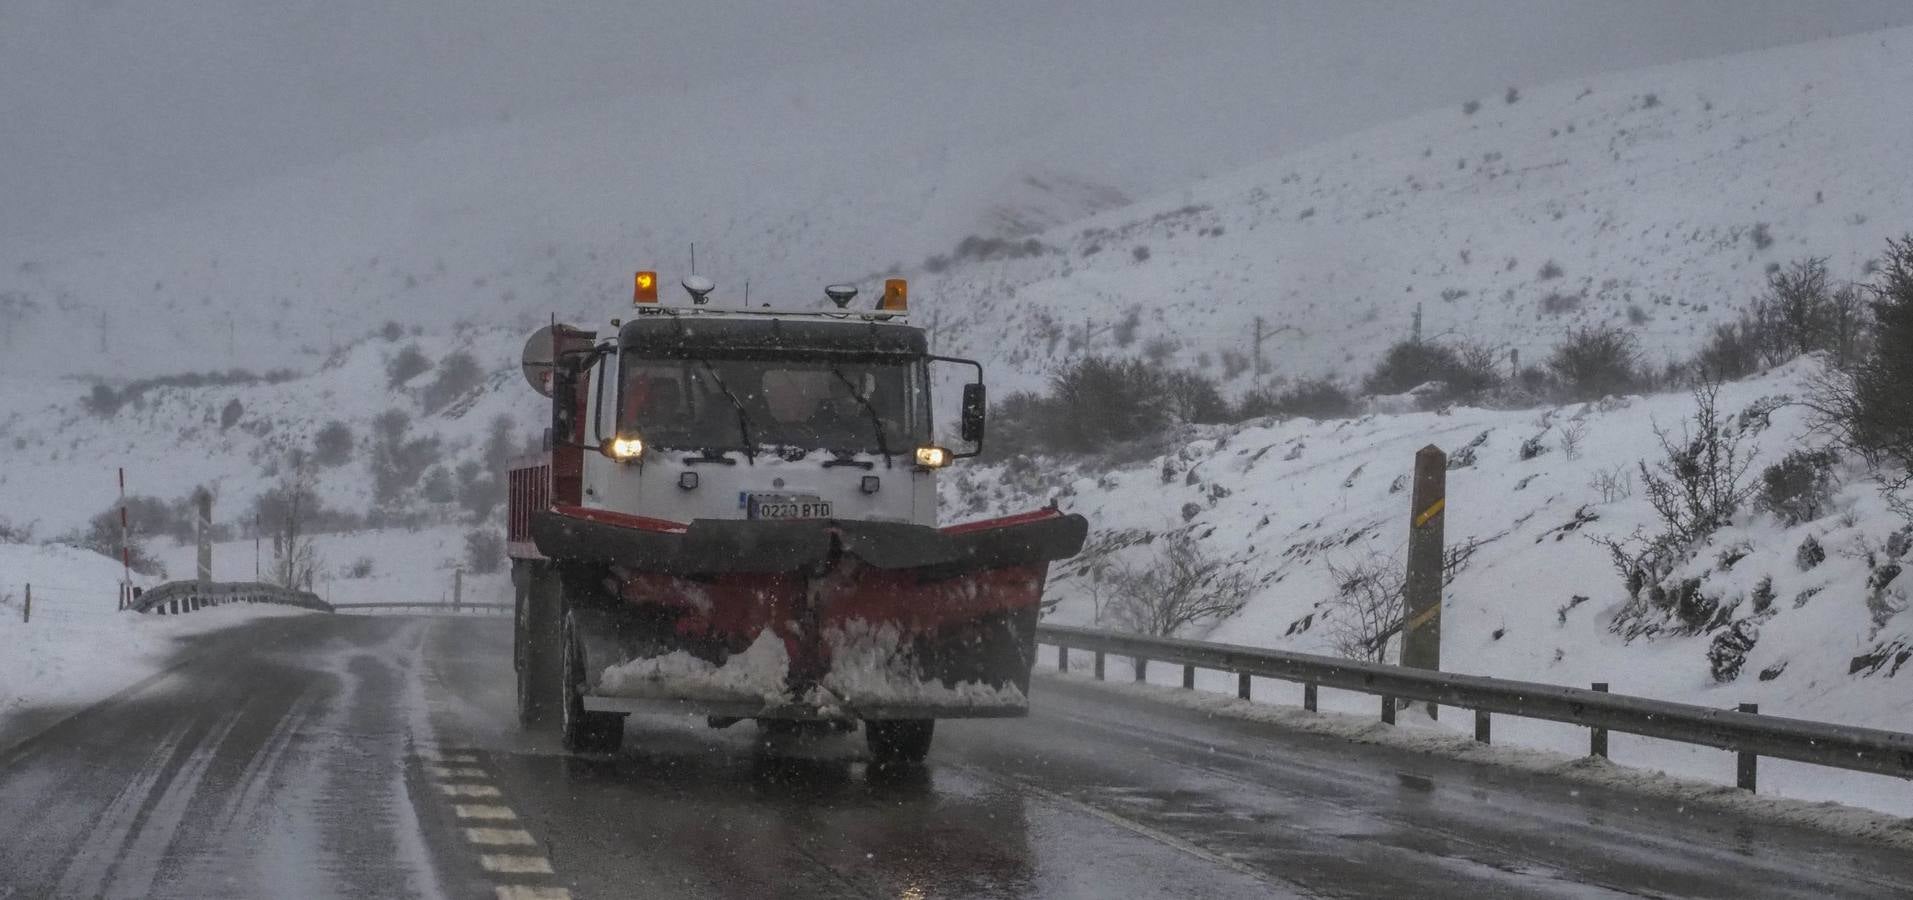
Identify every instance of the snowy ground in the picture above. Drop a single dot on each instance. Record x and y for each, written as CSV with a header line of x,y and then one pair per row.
x,y
1536,597
77,648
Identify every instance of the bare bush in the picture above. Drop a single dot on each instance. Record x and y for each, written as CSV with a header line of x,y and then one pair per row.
x,y
1613,484
1701,478
1315,399
409,363
397,460
1181,586
1367,608
295,559
1572,434
457,375
1865,408
332,446
484,551
1799,487
1595,361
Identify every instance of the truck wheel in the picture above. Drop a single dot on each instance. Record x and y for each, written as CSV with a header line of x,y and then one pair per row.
x,y
581,730
899,741
535,642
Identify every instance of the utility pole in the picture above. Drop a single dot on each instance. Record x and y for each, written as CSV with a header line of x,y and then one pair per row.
x,y
1415,335
255,545
1260,368
458,587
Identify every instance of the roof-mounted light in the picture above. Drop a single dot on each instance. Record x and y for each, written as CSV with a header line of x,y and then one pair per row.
x,y
700,288
644,287
896,296
841,294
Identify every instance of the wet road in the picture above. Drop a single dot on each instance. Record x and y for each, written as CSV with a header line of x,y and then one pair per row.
x,y
337,756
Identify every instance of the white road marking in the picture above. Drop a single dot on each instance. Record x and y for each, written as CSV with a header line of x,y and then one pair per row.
x,y
524,892
515,865
483,811
468,790
449,772
500,837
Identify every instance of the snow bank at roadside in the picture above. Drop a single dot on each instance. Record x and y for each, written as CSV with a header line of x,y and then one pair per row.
x,y
78,648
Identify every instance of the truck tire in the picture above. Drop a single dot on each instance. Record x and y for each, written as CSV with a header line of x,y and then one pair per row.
x,y
535,641
899,741
581,730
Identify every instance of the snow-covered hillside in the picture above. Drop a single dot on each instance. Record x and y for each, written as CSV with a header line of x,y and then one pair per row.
x,y
1655,199
1532,595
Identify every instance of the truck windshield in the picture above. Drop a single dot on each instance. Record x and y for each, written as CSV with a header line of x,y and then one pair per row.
x,y
820,403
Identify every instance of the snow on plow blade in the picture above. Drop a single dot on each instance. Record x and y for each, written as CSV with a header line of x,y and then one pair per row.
x,y
811,619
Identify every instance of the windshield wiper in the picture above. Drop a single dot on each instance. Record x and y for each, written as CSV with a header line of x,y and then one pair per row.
x,y
876,419
743,418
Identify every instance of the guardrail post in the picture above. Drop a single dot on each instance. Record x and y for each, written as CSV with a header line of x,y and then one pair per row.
x,y
1141,665
1099,665
1188,678
1062,657
1482,726
458,587
1242,686
1747,770
1597,737
1388,710
1308,696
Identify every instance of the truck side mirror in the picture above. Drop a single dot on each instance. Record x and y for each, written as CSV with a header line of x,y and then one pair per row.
x,y
974,402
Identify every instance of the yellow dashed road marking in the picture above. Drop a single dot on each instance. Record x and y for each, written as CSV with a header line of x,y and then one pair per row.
x,y
468,790
520,892
500,837
515,865
483,811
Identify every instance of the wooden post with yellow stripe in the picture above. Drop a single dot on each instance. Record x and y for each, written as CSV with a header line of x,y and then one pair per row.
x,y
1421,623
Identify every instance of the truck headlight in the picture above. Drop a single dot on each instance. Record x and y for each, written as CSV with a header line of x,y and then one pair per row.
x,y
933,457
624,449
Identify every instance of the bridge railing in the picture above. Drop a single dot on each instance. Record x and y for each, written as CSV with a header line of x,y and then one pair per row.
x,y
462,608
176,597
1741,730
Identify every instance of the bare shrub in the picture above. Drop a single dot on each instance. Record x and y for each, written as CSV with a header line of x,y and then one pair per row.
x,y
1572,434
1140,253
457,375
484,551
1315,399
1865,408
409,363
1799,487
1613,484
229,416
1367,607
332,446
1701,478
397,460
1194,397
295,559
1181,586
1471,107
1158,350
1595,361
360,568
1550,270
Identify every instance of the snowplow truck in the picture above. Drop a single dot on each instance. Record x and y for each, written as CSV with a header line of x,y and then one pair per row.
x,y
734,516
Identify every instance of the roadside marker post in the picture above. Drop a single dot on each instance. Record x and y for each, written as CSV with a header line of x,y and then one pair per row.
x,y
1421,589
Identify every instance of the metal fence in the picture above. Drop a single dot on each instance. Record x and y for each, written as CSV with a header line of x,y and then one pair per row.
x,y
462,608
1742,730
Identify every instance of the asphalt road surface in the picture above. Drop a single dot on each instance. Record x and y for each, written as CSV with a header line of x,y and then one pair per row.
x,y
342,756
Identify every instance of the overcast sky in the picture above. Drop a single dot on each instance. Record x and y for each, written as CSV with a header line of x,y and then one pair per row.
x,y
113,108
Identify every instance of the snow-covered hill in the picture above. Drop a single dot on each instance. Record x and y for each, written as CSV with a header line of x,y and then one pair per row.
x,y
1532,595
1655,199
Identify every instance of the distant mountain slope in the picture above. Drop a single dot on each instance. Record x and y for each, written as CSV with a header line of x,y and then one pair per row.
x,y
1654,199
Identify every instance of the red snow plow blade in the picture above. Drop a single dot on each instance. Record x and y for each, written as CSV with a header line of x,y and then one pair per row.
x,y
809,619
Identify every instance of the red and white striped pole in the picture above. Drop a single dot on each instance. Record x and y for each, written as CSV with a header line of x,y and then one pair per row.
x,y
126,553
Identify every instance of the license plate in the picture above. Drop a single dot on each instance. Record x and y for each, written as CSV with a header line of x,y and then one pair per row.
x,y
788,506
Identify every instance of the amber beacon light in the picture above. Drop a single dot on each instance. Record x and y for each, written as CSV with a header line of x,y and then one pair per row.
x,y
644,288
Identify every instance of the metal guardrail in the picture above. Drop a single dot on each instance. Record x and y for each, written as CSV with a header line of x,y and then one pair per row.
x,y
453,608
1743,731
175,597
